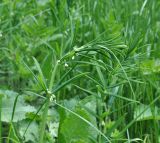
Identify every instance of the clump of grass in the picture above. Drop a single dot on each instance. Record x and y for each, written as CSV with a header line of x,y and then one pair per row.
x,y
89,68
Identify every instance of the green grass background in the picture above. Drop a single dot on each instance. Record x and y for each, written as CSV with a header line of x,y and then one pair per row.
x,y
79,71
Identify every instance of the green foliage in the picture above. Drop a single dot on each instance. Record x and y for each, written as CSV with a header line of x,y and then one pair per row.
x,y
32,132
74,129
149,113
21,108
81,71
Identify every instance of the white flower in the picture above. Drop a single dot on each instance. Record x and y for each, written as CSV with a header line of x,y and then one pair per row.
x,y
49,92
103,123
58,61
1,34
73,58
53,98
66,65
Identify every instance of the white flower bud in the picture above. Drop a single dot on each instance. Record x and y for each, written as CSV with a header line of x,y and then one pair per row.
x,y
58,61
73,58
53,98
66,65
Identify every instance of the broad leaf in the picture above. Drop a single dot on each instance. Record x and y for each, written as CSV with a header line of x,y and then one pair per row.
x,y
146,113
74,129
8,99
32,132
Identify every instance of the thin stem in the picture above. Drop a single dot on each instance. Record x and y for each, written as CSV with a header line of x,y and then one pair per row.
x,y
0,119
44,119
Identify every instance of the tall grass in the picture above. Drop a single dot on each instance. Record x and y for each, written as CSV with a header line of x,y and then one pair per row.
x,y
87,71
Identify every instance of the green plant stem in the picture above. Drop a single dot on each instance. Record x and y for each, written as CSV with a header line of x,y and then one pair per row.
x,y
45,112
44,119
53,77
0,119
11,123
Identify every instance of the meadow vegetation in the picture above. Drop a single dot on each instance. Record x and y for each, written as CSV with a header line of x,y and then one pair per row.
x,y
79,71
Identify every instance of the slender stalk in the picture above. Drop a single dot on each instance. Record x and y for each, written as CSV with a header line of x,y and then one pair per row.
x,y
0,119
53,77
44,119
45,112
11,123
